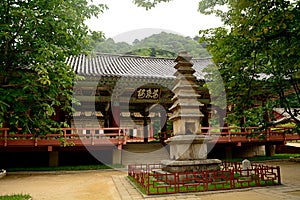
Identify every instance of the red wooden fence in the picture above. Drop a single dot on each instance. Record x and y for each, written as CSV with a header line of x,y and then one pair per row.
x,y
248,134
67,136
151,180
119,137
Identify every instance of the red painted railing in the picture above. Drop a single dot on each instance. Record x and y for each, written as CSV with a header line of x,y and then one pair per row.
x,y
251,134
67,136
118,136
248,134
150,179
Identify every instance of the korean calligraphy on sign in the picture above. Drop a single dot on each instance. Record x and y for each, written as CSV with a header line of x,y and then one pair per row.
x,y
148,93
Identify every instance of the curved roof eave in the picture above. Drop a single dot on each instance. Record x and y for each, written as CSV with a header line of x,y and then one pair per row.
x,y
100,64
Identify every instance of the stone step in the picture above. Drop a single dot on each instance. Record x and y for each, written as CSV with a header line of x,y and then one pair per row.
x,y
144,153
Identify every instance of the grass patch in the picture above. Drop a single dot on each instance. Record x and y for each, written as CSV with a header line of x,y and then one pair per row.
x,y
16,197
65,168
264,158
138,186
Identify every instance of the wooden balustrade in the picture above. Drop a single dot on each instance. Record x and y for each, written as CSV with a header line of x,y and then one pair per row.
x,y
251,134
70,136
247,134
118,136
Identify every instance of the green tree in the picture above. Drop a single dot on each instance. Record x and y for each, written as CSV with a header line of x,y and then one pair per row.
x,y
36,37
93,39
173,42
257,52
153,52
160,45
110,46
148,4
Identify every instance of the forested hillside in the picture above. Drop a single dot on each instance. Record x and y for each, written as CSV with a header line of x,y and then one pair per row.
x,y
158,45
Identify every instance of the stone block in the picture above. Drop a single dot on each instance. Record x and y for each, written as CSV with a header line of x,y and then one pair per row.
x,y
190,165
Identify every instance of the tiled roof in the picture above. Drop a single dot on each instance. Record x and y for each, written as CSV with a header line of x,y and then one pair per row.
x,y
130,66
285,115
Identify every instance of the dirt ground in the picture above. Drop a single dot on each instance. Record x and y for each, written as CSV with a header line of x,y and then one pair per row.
x,y
91,185
81,185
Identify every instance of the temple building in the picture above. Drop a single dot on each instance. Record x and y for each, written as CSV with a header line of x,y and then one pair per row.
x,y
125,99
129,91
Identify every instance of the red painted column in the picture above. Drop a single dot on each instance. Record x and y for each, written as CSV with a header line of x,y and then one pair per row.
x,y
115,118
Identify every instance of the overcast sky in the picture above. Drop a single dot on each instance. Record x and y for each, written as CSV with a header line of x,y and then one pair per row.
x,y
124,21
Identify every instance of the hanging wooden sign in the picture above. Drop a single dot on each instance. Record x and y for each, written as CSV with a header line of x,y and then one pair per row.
x,y
148,93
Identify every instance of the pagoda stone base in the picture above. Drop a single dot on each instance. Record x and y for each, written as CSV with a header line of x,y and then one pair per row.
x,y
183,167
188,153
190,165
188,147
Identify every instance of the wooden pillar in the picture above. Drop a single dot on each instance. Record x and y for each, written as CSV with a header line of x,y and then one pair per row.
x,y
145,129
145,114
107,116
115,118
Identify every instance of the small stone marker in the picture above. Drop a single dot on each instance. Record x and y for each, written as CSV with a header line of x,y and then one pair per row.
x,y
246,164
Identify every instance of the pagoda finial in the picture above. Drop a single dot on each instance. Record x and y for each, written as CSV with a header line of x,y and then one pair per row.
x,y
183,56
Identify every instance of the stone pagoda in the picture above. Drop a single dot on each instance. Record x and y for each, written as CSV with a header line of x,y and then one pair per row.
x,y
188,149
